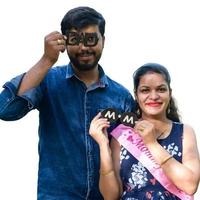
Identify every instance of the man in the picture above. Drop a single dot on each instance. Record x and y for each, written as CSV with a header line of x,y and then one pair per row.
x,y
67,97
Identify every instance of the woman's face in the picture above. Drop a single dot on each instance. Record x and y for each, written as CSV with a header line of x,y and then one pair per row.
x,y
153,94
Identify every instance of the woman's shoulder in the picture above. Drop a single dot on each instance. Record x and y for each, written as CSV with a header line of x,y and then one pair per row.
x,y
188,131
185,126
188,127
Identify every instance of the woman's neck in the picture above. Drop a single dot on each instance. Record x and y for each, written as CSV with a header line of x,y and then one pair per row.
x,y
162,125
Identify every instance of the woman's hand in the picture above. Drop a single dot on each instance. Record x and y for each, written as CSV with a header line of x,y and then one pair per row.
x,y
98,130
147,131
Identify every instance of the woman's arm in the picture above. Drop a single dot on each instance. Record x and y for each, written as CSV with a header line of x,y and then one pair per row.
x,y
184,175
108,182
115,148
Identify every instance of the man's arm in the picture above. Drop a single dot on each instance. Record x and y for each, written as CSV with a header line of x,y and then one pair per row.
x,y
21,94
36,74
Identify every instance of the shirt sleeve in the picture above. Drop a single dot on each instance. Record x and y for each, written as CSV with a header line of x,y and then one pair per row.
x,y
130,103
14,107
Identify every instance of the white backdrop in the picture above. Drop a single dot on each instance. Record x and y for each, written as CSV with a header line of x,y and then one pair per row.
x,y
137,31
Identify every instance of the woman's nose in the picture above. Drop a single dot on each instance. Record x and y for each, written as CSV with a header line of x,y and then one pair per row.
x,y
154,95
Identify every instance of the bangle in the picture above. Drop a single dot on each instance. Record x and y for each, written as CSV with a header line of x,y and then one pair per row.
x,y
166,159
106,173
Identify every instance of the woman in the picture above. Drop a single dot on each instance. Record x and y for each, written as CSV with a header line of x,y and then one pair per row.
x,y
172,144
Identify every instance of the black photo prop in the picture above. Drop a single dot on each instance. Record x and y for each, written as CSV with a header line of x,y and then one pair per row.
x,y
88,39
126,118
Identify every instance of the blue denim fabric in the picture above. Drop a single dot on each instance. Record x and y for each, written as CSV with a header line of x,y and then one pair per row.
x,y
68,156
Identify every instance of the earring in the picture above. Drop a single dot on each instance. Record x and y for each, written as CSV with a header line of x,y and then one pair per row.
x,y
138,112
168,110
169,107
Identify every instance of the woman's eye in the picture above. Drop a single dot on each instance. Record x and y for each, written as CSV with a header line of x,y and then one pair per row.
x,y
144,90
162,89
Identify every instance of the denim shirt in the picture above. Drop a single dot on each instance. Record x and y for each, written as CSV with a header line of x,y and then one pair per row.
x,y
68,157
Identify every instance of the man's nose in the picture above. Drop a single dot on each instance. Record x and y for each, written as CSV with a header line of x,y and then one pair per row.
x,y
82,46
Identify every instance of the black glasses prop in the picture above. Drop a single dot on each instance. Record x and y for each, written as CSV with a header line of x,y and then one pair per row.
x,y
88,39
126,118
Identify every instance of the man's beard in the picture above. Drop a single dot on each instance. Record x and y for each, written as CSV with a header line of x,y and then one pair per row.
x,y
84,66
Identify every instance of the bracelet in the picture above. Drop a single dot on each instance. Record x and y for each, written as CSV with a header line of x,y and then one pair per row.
x,y
106,173
166,159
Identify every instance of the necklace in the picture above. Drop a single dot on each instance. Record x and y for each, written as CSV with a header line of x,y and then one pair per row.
x,y
162,133
164,130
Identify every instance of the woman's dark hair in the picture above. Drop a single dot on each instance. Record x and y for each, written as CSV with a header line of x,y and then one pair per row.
x,y
172,110
80,17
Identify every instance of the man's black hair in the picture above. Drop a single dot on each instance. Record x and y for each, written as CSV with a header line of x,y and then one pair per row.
x,y
81,17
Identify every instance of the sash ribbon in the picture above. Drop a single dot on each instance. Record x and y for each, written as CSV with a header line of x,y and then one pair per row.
x,y
133,142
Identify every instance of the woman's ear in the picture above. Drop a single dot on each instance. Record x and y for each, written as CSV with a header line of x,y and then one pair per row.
x,y
170,92
135,95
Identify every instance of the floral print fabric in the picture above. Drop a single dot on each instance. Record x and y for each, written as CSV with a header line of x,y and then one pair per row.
x,y
138,182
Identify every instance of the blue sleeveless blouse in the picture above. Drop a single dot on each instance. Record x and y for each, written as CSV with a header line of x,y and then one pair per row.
x,y
138,182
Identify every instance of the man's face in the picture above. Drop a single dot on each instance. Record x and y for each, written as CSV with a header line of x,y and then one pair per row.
x,y
84,47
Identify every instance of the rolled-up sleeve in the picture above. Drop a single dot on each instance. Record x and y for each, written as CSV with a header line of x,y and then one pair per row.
x,y
14,107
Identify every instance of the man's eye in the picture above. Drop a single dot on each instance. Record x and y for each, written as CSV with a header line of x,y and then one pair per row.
x,y
91,39
72,40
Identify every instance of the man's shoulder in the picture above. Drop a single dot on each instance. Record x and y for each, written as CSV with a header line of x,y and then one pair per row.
x,y
55,75
59,68
114,84
57,71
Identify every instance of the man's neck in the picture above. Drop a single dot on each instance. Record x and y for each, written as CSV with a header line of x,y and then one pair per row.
x,y
88,77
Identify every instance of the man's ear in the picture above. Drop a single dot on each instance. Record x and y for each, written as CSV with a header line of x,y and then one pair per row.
x,y
103,41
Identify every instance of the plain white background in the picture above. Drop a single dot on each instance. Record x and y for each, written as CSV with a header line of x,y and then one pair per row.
x,y
137,31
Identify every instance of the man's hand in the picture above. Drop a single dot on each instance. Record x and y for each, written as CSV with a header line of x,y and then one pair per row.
x,y
54,43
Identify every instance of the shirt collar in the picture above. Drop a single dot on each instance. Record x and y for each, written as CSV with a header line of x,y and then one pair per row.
x,y
103,81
